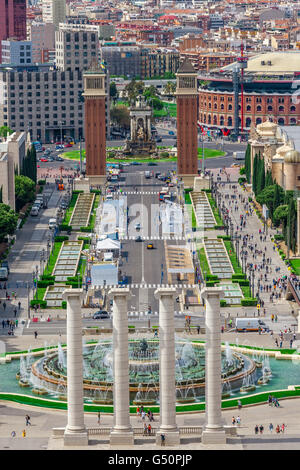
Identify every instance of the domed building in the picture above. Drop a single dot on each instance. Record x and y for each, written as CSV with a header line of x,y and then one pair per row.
x,y
272,142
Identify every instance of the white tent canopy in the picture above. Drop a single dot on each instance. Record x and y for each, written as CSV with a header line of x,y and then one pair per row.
x,y
108,244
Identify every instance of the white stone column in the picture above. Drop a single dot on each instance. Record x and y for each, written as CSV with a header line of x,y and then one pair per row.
x,y
213,432
75,432
121,433
167,386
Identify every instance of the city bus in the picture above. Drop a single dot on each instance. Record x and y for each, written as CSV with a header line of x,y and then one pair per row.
x,y
38,146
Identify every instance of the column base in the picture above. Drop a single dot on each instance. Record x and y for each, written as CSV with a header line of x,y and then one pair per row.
x,y
79,438
96,180
213,436
188,180
121,438
172,438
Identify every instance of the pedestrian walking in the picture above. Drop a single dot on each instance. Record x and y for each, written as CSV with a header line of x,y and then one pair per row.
x,y
238,421
277,429
17,321
261,429
239,404
4,305
35,334
283,427
233,421
99,417
27,419
149,429
145,428
256,429
19,305
15,311
13,434
271,427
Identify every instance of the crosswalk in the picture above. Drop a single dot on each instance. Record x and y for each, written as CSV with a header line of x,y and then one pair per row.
x,y
148,286
163,237
134,313
141,193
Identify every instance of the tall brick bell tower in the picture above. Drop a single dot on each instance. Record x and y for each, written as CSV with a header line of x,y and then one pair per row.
x,y
95,124
187,114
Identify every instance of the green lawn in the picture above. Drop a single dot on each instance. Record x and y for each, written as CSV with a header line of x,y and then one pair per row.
x,y
230,250
295,265
208,153
168,109
53,257
70,209
215,210
203,262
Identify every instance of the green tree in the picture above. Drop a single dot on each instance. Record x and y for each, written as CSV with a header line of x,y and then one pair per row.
x,y
170,88
280,215
4,130
269,179
260,175
24,190
255,174
119,115
248,163
133,89
8,221
113,92
292,225
277,197
267,196
33,168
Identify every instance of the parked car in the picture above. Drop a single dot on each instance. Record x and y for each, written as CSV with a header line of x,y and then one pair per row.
x,y
101,314
52,223
34,211
5,265
3,274
139,239
150,246
44,159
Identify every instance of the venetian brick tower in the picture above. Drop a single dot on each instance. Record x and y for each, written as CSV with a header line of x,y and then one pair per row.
x,y
187,139
95,125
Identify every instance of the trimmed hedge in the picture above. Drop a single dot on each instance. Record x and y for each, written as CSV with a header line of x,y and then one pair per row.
x,y
223,303
65,227
45,283
41,182
248,302
238,276
84,239
42,303
64,304
47,277
95,191
218,227
86,229
241,282
211,277
61,238
78,191
224,237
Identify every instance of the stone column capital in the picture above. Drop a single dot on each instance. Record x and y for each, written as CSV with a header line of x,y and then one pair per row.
x,y
165,291
68,293
119,292
207,292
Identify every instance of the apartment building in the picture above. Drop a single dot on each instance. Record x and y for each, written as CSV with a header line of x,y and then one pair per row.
x,y
54,11
76,47
16,52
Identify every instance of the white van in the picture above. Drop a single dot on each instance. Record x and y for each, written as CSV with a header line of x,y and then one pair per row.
x,y
34,211
52,223
250,324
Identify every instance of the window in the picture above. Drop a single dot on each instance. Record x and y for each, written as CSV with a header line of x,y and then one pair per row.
x,y
293,109
258,108
248,108
270,108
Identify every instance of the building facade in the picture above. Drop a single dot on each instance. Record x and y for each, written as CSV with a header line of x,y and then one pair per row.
x,y
12,20
158,62
75,48
42,37
279,150
122,59
269,91
12,154
43,101
16,52
54,11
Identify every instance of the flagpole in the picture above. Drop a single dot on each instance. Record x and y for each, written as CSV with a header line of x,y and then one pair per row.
x,y
203,154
